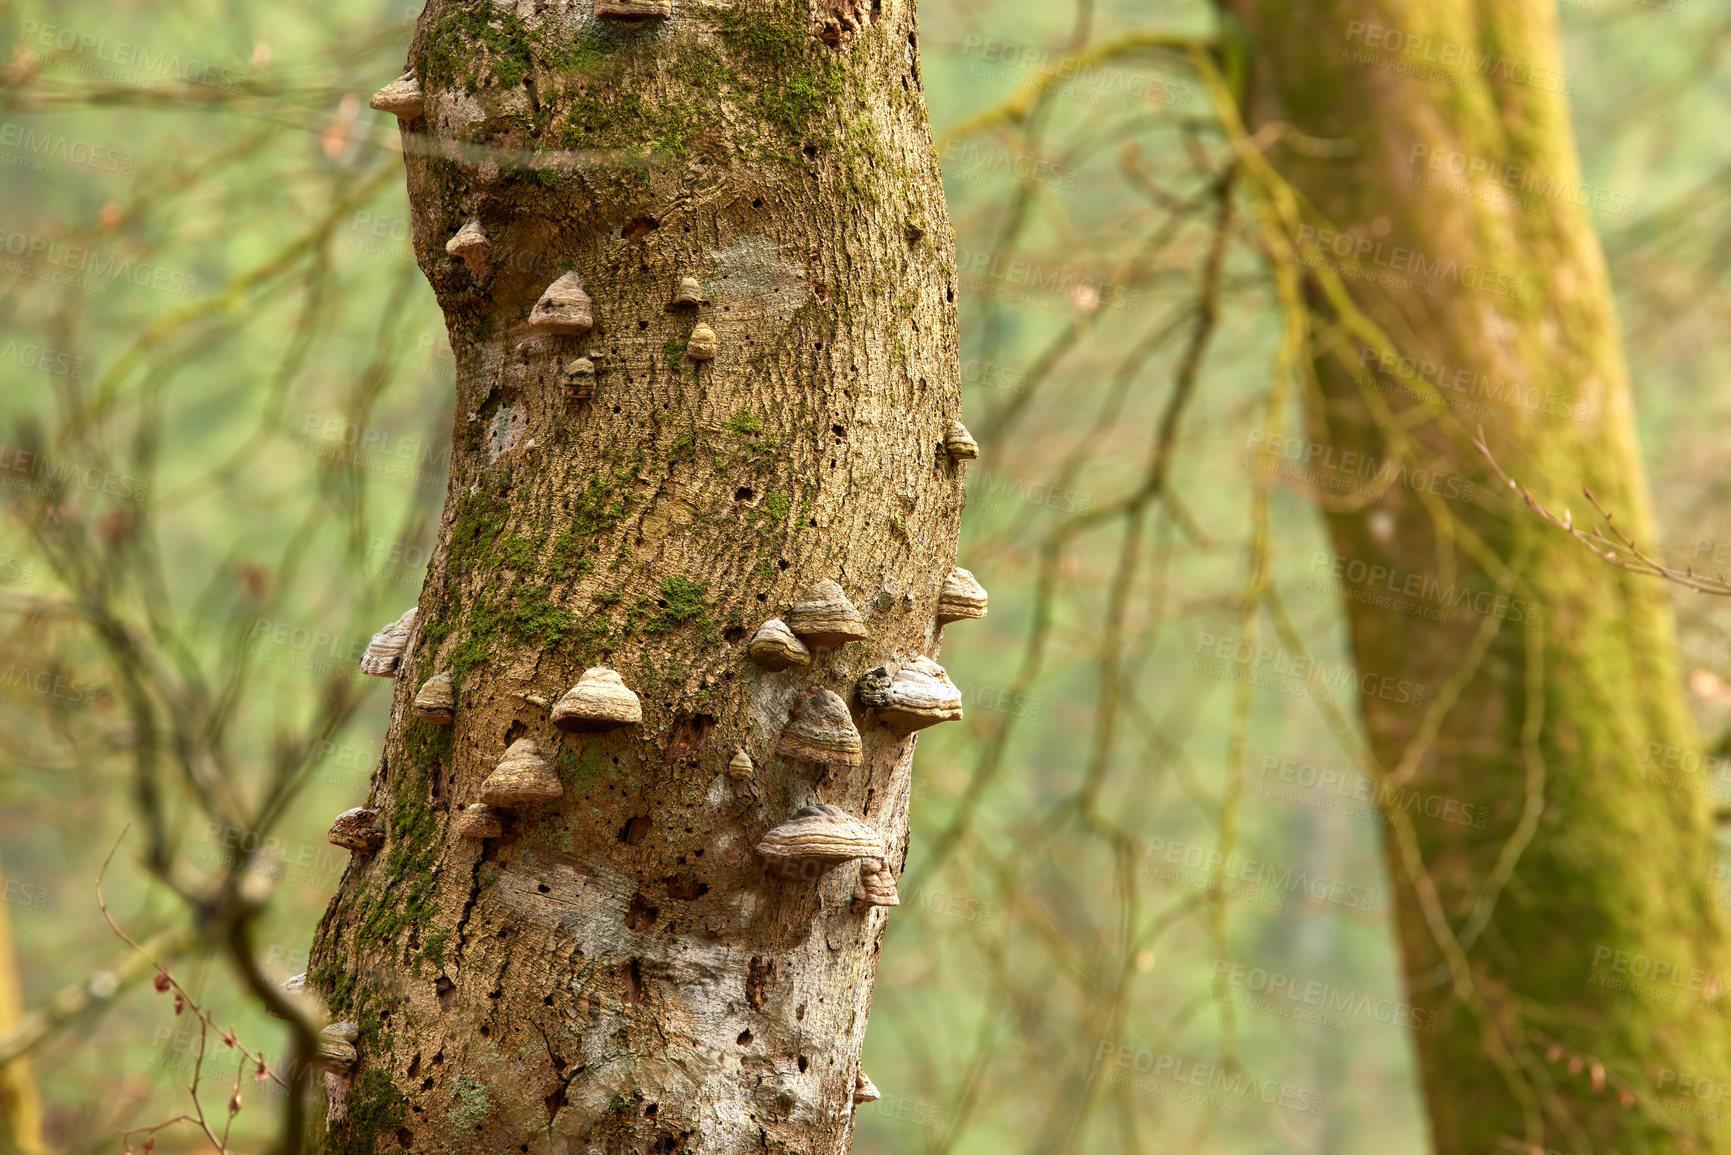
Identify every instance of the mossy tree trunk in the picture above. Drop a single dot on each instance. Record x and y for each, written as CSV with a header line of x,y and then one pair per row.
x,y
618,972
1568,714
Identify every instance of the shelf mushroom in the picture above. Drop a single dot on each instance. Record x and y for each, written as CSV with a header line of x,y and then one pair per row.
x,y
564,308
477,820
703,344
689,294
774,647
633,10
578,379
864,1090
385,651
962,597
820,729
959,443
817,838
600,701
824,618
336,1049
920,695
877,886
401,98
471,246
522,778
358,830
436,700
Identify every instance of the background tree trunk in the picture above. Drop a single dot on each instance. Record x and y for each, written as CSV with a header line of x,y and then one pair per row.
x,y
1575,705
617,972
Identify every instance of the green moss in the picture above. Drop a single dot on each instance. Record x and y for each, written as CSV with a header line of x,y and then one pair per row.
x,y
745,424
776,506
674,351
684,447
473,1103
519,553
479,524
376,1109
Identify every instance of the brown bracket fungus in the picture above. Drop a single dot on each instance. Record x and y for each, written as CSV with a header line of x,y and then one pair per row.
x,y
436,700
633,9
741,769
564,308
336,1050
818,837
471,246
864,1090
920,695
962,597
385,651
477,820
578,379
877,886
703,344
401,98
824,617
774,647
599,701
959,443
358,830
820,729
689,294
523,778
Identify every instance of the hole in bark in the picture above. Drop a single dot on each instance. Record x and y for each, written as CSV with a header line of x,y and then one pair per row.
x,y
685,889
406,1137
633,984
757,202
810,151
800,1014
950,292
637,226
757,979
515,731
443,988
803,1064
438,1058
555,1102
744,493
783,563
733,633
761,598
486,1031
649,1111
642,325
839,430
543,888
744,1039
665,1144
427,1086
689,736
635,830
415,1065
641,916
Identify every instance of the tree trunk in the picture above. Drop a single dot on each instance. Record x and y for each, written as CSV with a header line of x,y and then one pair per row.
x,y
1596,971
618,972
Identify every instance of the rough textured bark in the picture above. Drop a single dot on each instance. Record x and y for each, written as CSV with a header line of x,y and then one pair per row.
x,y
618,972
1616,861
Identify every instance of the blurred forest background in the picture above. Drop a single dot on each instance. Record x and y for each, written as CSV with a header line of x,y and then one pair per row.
x,y
224,420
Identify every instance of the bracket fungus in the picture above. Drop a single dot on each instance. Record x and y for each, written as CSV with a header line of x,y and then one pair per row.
x,y
820,729
599,701
824,617
741,769
477,820
634,9
523,778
877,886
864,1090
564,308
401,98
358,830
436,700
959,443
703,344
578,379
336,1050
471,246
818,836
962,597
385,651
774,646
920,695
689,295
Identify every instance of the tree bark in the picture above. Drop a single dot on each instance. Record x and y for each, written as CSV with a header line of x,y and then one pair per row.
x,y
619,972
1554,1040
